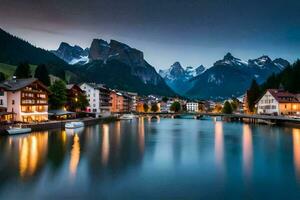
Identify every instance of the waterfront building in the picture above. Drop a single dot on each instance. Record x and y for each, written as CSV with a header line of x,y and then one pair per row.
x,y
4,115
278,102
105,99
27,99
92,93
164,106
98,96
192,107
73,92
116,101
133,102
126,102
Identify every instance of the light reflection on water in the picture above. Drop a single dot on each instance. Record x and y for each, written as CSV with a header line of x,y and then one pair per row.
x,y
219,145
75,156
247,150
153,159
296,145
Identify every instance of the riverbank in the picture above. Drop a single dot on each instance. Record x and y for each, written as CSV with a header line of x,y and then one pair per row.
x,y
43,126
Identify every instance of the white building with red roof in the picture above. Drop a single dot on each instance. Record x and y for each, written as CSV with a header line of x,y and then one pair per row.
x,y
278,102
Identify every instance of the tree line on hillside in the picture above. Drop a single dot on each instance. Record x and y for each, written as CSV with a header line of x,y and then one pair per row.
x,y
288,79
41,73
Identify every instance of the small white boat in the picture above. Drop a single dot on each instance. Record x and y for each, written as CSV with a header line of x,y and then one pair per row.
x,y
72,131
16,131
72,125
127,117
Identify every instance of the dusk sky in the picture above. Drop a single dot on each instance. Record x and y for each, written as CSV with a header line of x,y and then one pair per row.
x,y
193,32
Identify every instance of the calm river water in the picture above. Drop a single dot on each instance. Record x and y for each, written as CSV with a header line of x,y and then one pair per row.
x,y
153,159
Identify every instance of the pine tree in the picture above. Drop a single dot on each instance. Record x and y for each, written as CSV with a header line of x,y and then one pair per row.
x,y
227,109
42,74
252,95
2,77
175,107
58,97
23,71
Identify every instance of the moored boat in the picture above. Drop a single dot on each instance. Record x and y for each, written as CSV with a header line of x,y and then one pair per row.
x,y
127,117
72,125
16,131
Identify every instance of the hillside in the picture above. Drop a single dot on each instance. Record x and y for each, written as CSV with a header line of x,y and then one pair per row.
x,y
15,50
288,79
116,74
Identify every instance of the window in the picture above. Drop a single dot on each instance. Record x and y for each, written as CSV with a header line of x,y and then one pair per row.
x,y
1,101
13,102
1,93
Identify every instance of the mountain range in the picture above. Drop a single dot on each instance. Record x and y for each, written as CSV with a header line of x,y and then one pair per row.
x,y
121,66
232,76
115,64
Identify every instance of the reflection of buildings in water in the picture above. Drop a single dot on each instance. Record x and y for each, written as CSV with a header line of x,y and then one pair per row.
x,y
219,144
141,135
247,150
32,153
64,137
105,144
157,118
75,156
296,149
118,133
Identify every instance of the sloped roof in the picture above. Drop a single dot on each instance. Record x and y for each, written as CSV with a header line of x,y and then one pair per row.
x,y
17,84
283,96
96,85
71,86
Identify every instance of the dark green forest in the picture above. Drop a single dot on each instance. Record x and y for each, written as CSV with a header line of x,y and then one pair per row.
x,y
288,79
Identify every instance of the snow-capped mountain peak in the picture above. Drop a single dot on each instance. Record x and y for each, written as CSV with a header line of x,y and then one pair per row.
x,y
178,77
176,71
229,59
72,54
261,61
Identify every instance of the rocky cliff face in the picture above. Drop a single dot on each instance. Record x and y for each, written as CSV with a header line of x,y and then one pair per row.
x,y
104,51
101,50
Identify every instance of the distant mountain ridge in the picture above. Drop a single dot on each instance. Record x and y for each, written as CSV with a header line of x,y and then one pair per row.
x,y
178,78
232,76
